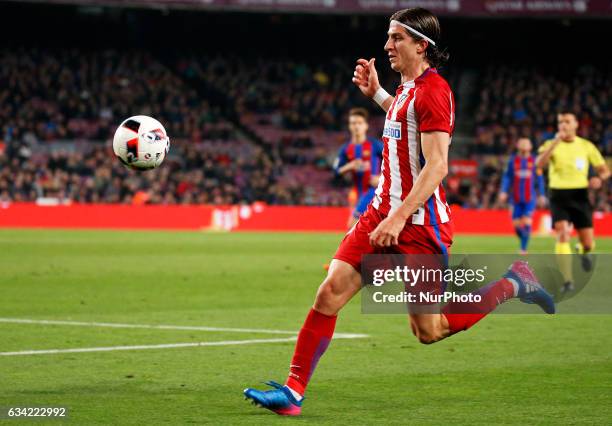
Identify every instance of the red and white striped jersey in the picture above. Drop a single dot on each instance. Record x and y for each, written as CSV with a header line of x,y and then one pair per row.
x,y
422,105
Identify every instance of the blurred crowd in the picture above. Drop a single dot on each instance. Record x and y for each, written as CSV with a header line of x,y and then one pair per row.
x,y
244,129
75,95
524,101
295,95
72,94
215,172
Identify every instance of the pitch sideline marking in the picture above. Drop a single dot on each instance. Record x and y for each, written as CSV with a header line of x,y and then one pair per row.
x,y
160,327
141,347
166,327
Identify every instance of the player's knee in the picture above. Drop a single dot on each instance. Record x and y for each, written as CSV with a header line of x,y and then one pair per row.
x,y
563,234
330,293
331,286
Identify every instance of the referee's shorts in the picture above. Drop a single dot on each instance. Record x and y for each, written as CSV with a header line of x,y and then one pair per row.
x,y
572,205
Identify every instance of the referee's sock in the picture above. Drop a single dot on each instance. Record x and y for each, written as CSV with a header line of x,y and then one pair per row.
x,y
563,248
564,260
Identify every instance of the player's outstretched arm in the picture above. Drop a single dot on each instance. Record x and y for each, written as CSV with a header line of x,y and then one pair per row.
x,y
366,78
435,150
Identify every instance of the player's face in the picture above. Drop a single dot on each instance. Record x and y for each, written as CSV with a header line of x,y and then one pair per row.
x,y
524,145
401,48
567,125
358,127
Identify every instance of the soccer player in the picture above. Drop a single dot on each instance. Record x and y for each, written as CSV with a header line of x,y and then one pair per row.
x,y
361,157
525,180
408,215
568,157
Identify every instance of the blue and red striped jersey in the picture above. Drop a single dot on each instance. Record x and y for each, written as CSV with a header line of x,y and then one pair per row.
x,y
370,152
522,175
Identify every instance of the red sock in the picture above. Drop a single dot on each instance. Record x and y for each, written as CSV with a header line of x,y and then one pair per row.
x,y
462,316
314,337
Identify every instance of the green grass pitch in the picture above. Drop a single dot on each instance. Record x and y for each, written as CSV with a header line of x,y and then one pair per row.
x,y
509,369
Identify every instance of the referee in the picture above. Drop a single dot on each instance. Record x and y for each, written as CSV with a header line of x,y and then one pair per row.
x,y
568,158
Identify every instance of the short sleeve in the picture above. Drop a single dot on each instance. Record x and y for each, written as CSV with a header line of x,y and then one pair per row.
x,y
595,157
435,109
544,147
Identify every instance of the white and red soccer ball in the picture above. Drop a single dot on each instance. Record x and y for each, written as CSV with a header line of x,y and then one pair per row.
x,y
141,143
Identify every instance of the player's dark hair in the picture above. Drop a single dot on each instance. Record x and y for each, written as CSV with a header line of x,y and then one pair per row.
x,y
361,112
566,112
426,23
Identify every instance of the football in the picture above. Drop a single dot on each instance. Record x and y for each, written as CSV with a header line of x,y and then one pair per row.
x,y
141,143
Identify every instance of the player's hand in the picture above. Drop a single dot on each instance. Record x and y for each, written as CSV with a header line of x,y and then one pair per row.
x,y
353,165
503,197
360,165
365,77
387,232
595,182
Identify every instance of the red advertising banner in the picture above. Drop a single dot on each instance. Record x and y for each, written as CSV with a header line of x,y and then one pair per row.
x,y
482,8
258,217
463,168
105,216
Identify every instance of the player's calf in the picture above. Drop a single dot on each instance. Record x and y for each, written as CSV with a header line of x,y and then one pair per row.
x,y
429,328
518,282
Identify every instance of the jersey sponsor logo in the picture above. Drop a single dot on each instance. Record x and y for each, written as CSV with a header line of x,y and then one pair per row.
x,y
523,173
393,129
401,100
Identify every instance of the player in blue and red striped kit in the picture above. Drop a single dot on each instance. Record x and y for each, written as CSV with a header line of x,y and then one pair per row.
x,y
526,182
362,157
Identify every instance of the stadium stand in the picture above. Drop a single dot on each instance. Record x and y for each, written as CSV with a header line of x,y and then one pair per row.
x,y
245,129
516,101
523,101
